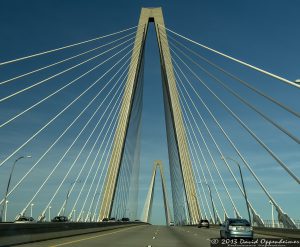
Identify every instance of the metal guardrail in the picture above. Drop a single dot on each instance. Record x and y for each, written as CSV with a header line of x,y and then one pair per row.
x,y
12,233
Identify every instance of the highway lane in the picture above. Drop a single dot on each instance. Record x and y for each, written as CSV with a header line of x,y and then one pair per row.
x,y
138,236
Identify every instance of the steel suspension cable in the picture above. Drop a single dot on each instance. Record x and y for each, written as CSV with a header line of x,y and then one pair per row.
x,y
65,47
198,175
252,208
117,201
246,84
126,181
207,148
258,140
66,70
114,171
102,156
83,166
65,108
134,57
236,60
218,148
237,151
100,162
125,172
98,183
192,144
93,161
188,188
58,139
66,152
98,200
129,172
86,142
196,166
173,157
115,168
55,92
129,76
64,60
222,155
268,119
120,191
99,149
199,147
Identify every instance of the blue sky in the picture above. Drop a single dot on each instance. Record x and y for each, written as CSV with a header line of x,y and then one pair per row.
x,y
262,33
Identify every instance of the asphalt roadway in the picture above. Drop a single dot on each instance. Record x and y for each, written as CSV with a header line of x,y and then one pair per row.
x,y
139,236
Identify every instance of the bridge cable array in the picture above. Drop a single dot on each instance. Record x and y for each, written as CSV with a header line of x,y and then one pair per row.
x,y
187,98
88,135
65,113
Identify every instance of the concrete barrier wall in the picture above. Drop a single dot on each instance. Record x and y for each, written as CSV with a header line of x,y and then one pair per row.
x,y
278,232
13,233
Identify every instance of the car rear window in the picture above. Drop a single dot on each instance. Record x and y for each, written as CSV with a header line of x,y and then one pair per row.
x,y
239,223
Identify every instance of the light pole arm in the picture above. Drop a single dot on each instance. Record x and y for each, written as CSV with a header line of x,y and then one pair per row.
x,y
7,187
245,194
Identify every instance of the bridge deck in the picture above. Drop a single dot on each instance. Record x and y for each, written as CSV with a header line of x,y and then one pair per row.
x,y
140,236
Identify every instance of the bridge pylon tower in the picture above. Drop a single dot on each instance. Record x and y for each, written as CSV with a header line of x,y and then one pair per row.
x,y
149,199
172,105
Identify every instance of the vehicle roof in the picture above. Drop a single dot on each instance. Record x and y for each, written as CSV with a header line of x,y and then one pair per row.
x,y
236,219
24,217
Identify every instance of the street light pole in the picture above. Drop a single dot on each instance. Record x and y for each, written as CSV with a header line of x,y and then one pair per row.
x,y
7,187
31,205
245,194
49,213
74,215
211,199
212,203
273,223
5,213
68,195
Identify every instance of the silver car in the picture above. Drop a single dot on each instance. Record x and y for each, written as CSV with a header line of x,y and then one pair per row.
x,y
236,228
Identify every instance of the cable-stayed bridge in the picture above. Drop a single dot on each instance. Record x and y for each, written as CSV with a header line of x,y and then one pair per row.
x,y
71,120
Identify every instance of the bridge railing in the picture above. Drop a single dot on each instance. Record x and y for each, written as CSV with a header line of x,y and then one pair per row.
x,y
269,231
12,233
277,224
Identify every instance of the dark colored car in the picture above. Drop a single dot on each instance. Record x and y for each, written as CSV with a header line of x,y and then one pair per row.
x,y
125,219
105,220
236,228
112,219
203,223
60,219
25,219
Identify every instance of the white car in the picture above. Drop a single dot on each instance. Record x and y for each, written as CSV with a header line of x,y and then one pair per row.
x,y
171,223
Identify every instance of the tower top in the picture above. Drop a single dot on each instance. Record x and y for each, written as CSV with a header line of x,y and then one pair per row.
x,y
151,15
